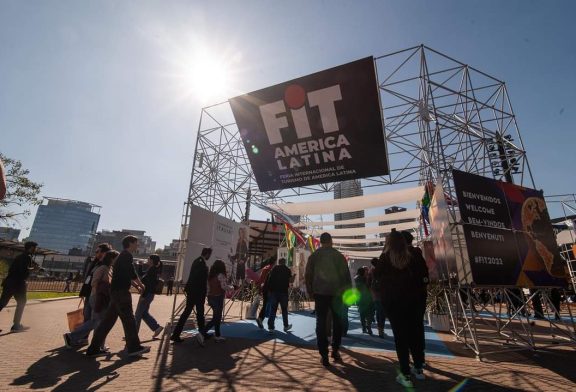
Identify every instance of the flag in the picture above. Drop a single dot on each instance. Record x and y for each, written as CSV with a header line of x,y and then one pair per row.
x,y
290,242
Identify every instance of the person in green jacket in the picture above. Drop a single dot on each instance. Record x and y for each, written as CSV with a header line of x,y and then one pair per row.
x,y
327,277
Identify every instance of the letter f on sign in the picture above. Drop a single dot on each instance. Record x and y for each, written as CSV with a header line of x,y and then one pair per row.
x,y
272,122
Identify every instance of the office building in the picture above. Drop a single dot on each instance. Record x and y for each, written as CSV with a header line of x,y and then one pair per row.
x,y
394,210
62,225
9,233
342,190
114,237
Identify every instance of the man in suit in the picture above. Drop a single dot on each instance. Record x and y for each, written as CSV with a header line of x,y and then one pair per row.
x,y
195,290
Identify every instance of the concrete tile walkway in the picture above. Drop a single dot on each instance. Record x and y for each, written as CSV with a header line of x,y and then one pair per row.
x,y
36,359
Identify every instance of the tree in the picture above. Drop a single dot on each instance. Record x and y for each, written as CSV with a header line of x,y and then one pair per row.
x,y
21,192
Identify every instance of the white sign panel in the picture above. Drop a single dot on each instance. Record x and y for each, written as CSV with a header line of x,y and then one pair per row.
x,y
228,240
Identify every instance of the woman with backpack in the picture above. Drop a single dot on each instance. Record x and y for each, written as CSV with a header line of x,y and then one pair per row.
x,y
401,276
151,281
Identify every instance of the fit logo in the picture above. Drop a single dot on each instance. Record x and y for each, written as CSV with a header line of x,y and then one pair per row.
x,y
274,115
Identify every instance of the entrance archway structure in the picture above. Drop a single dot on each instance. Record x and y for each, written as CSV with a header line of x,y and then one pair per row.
x,y
439,114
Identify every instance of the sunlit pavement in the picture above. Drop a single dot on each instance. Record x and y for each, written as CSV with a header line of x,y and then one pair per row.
x,y
36,359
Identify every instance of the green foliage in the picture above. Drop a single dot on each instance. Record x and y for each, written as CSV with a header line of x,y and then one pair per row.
x,y
47,294
21,191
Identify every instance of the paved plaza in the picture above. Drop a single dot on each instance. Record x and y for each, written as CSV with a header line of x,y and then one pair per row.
x,y
36,359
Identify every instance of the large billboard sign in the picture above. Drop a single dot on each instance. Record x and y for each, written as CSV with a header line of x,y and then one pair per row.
x,y
319,128
509,236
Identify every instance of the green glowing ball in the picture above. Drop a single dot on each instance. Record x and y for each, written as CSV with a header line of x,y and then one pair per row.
x,y
255,149
351,296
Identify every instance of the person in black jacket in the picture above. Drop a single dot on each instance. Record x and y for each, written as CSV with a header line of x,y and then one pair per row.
x,y
421,266
196,289
14,285
364,303
123,277
278,282
401,277
150,281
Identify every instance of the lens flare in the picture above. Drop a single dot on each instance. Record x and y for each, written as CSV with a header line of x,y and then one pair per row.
x,y
351,296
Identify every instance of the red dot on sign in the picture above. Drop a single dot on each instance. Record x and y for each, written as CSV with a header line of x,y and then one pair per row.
x,y
295,96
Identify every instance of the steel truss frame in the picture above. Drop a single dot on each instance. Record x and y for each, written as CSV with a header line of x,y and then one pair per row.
x,y
439,114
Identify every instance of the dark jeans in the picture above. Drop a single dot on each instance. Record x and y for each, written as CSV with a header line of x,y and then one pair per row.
x,y
18,291
380,316
275,299
366,310
325,304
216,302
87,308
120,306
192,301
264,311
408,328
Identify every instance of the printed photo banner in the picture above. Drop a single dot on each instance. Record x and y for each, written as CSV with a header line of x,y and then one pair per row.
x,y
509,235
228,239
319,128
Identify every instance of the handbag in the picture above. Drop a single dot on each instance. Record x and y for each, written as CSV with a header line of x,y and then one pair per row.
x,y
159,286
75,317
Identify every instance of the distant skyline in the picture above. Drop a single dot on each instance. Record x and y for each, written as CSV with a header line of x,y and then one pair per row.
x,y
100,100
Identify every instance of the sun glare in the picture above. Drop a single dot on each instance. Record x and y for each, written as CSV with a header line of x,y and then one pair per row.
x,y
209,78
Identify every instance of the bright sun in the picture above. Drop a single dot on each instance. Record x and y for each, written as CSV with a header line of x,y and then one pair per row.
x,y
209,78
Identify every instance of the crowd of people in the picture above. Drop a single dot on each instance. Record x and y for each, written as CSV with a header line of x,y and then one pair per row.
x,y
393,287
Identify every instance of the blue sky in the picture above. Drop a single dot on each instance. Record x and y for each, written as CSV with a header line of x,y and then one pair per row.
x,y
95,96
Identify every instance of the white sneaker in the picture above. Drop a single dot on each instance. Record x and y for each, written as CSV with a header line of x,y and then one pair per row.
x,y
200,339
405,381
157,332
418,373
219,339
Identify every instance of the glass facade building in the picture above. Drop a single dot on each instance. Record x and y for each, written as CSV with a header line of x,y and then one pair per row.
x,y
62,225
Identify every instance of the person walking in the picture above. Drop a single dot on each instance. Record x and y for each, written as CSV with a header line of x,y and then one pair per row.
x,y
123,277
99,300
217,287
150,281
68,281
377,309
327,277
169,286
86,289
14,285
261,284
196,289
365,301
279,280
421,283
401,278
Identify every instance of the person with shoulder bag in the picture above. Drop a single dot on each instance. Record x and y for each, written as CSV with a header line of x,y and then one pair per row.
x,y
99,299
86,288
151,280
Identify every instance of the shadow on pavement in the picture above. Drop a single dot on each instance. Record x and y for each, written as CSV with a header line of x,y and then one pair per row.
x,y
49,371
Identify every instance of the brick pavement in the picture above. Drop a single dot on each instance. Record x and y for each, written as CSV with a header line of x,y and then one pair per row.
x,y
36,359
